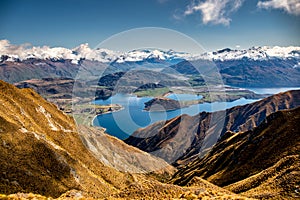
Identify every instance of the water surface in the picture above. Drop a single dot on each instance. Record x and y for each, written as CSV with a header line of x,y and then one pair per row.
x,y
123,123
272,90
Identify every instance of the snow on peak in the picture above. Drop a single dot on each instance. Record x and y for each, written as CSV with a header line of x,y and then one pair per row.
x,y
23,52
140,55
102,55
255,53
83,51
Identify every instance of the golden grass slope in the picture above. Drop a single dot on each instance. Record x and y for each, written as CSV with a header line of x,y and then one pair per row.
x,y
41,152
280,181
42,156
262,163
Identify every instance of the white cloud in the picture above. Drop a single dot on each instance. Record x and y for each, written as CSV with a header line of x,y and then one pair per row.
x,y
7,48
290,6
214,11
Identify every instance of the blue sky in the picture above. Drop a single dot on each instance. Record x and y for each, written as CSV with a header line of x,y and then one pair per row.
x,y
215,24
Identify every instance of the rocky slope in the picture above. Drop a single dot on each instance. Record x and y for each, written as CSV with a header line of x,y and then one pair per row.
x,y
120,156
260,163
184,138
43,154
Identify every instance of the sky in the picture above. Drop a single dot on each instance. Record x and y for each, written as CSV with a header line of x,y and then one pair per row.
x,y
214,24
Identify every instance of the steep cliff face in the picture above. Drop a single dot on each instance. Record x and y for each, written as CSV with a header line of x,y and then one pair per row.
x,y
120,156
261,163
184,138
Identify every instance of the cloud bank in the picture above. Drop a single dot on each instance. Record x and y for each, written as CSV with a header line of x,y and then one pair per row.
x,y
290,6
25,51
214,11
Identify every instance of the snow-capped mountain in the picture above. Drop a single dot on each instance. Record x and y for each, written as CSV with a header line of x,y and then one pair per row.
x,y
254,53
22,52
12,52
276,66
145,54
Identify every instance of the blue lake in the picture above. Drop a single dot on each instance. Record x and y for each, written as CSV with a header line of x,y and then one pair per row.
x,y
272,90
124,122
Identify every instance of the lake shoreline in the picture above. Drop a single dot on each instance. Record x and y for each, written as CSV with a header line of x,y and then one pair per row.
x,y
104,113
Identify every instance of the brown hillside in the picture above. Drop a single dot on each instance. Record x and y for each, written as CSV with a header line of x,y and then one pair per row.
x,y
263,163
40,150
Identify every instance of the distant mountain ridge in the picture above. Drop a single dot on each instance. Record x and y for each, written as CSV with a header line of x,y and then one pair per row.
x,y
12,52
254,67
247,72
9,52
254,53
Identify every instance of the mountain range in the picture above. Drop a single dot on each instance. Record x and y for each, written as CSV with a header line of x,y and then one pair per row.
x,y
12,52
254,67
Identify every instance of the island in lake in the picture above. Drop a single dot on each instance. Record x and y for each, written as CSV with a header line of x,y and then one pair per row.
x,y
162,104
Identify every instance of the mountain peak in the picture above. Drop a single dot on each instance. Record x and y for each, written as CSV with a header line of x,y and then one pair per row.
x,y
83,51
